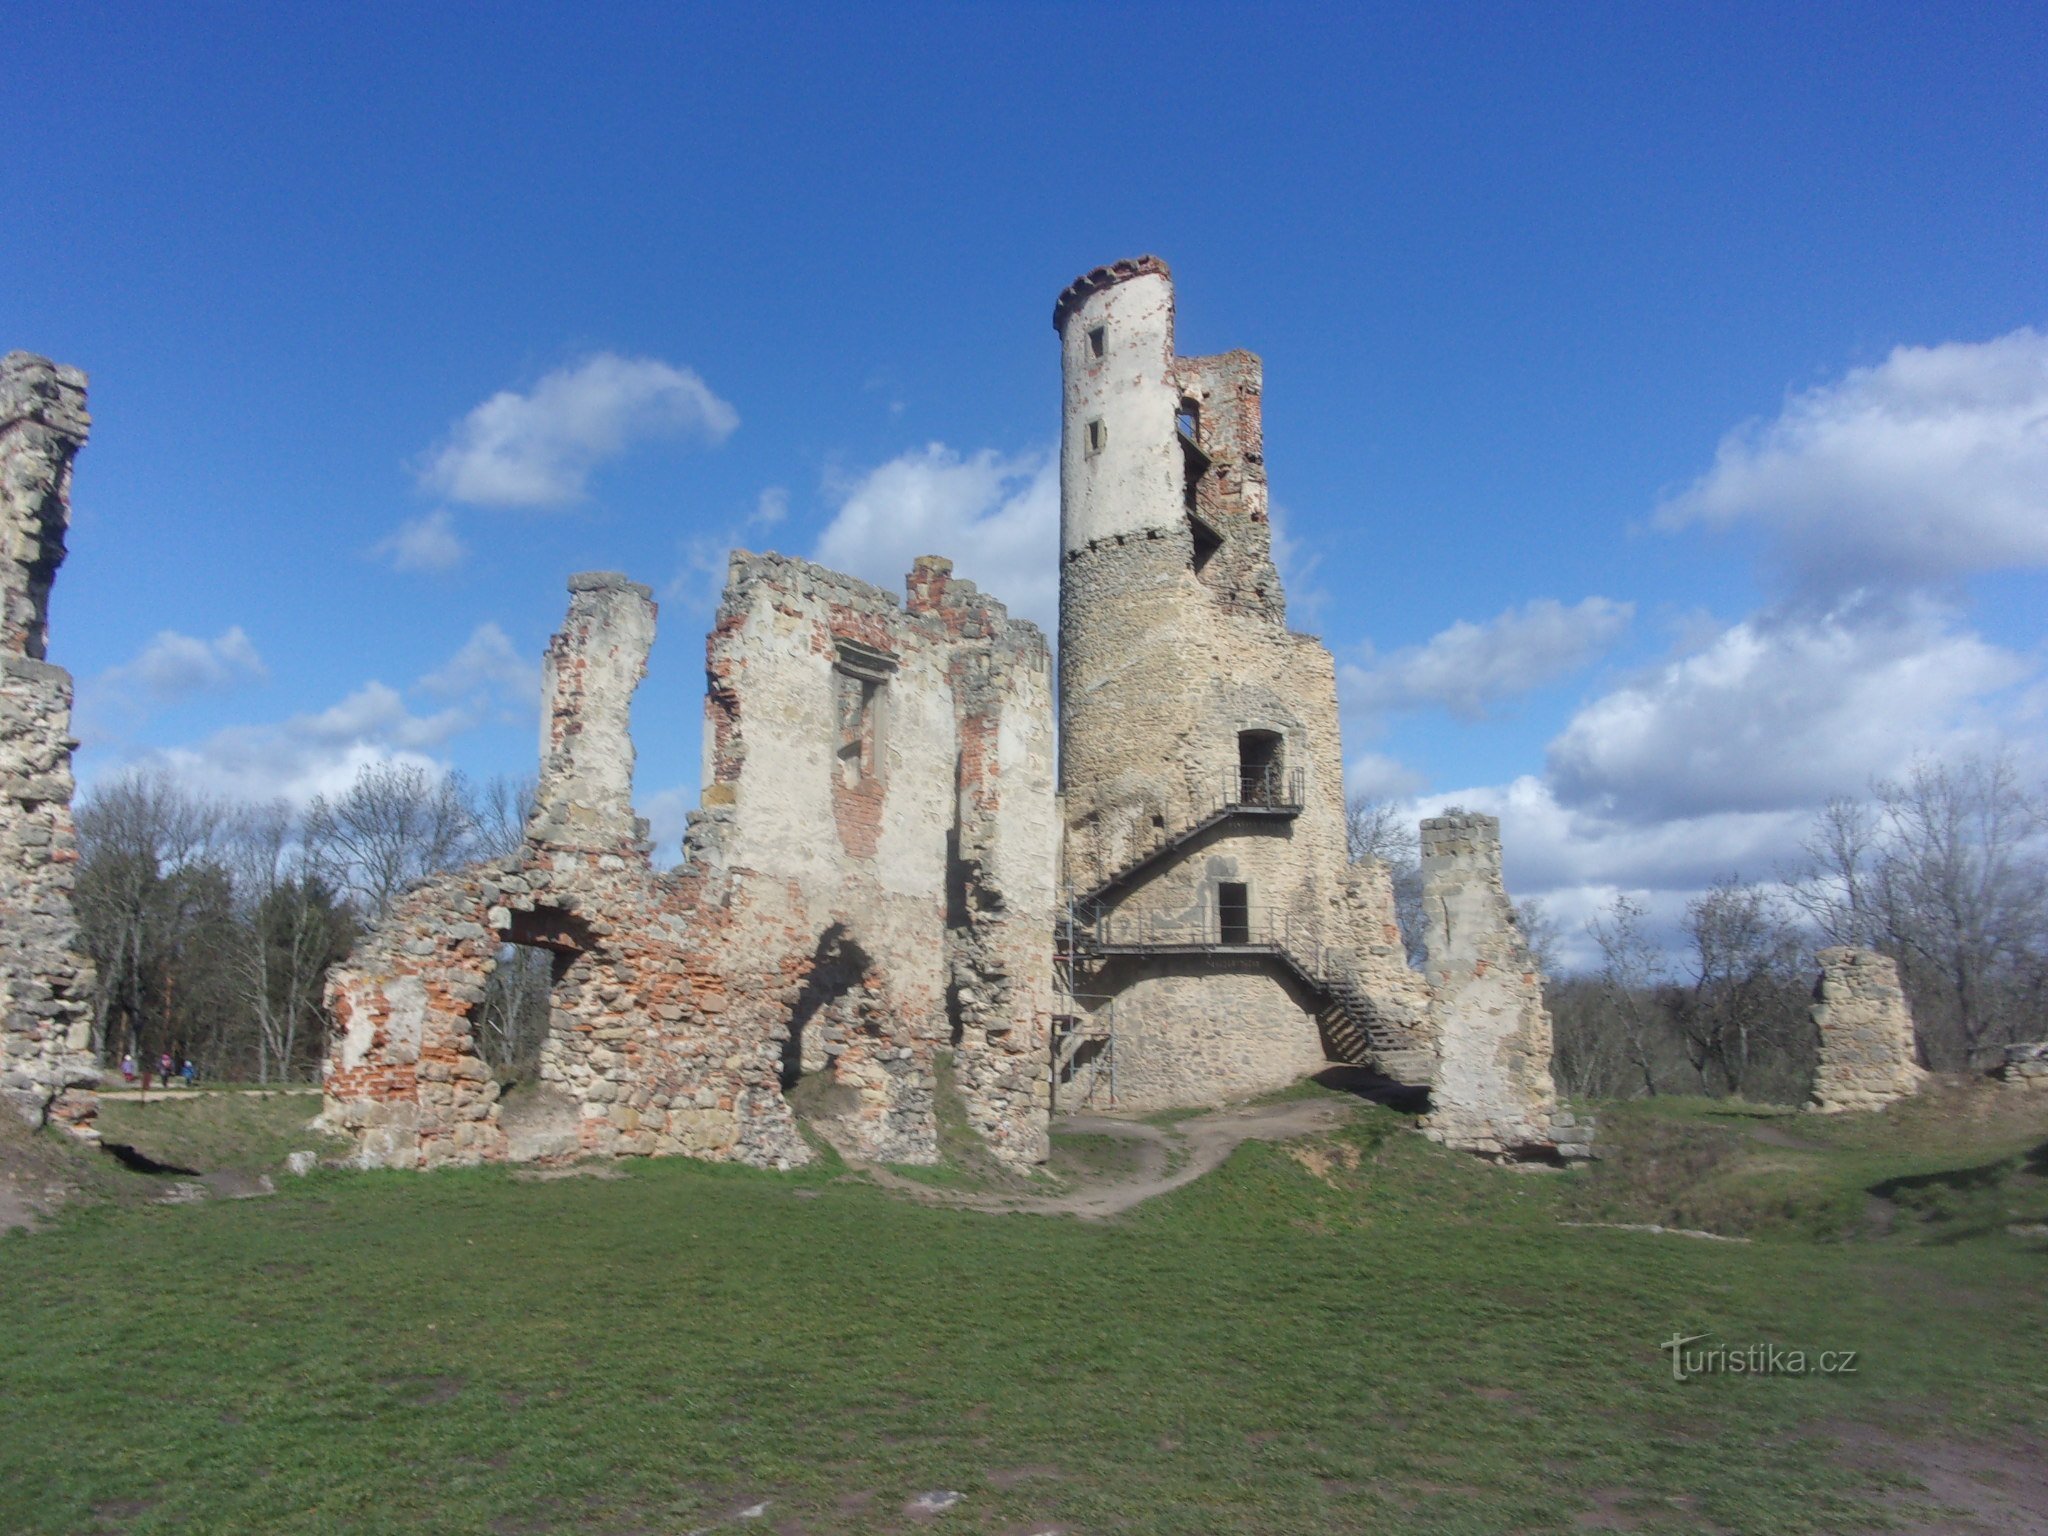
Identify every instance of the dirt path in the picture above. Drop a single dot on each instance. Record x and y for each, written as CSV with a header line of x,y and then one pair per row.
x,y
1169,1157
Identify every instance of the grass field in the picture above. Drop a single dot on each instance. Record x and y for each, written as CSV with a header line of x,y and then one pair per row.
x,y
1357,1333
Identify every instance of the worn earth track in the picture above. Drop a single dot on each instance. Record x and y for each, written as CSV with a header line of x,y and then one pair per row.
x,y
1169,1157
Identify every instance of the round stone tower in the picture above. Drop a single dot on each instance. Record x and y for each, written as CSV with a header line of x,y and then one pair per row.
x,y
1199,758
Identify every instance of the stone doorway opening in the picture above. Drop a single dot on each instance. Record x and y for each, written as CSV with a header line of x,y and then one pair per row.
x,y
1234,912
1260,762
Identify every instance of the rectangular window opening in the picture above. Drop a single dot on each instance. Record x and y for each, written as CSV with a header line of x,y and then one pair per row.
x,y
1207,542
1097,435
1098,341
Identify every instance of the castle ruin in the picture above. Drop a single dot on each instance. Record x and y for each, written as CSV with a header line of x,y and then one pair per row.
x,y
882,868
889,885
46,1064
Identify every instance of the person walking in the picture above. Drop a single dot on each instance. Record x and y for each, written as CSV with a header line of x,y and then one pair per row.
x,y
128,1068
190,1074
165,1068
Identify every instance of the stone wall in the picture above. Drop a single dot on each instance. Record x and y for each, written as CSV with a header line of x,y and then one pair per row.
x,y
1493,1092
1867,1056
46,1064
2026,1066
867,883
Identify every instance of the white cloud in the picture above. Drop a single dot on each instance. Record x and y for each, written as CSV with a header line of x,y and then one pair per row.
x,y
1377,776
668,814
1928,465
1468,666
997,518
1782,710
314,753
538,449
168,670
427,543
1577,859
488,667
771,508
321,751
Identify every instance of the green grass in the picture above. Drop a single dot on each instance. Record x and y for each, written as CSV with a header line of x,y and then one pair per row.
x,y
1962,1160
211,1132
1362,1333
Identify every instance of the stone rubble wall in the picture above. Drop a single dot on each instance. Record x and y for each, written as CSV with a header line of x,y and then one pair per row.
x,y
868,883
2026,1066
47,1071
1867,1056
1493,1092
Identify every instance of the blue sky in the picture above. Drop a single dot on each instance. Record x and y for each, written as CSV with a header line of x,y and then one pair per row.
x,y
1656,397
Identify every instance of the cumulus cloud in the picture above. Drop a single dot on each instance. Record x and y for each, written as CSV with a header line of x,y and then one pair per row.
x,y
538,449
1931,464
1377,776
321,751
423,544
770,508
168,670
1469,666
1782,710
488,667
996,517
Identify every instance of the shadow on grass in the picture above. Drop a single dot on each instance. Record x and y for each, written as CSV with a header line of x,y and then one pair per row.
x,y
138,1161
1962,1203
1364,1083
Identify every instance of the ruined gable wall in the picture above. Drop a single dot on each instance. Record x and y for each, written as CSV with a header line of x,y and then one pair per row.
x,y
1493,1091
1867,1056
922,833
807,929
46,1064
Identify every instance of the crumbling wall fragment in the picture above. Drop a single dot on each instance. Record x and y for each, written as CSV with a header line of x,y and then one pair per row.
x,y
2026,1065
1493,1092
46,1065
1867,1056
874,846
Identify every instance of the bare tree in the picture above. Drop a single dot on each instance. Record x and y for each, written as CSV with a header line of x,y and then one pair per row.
x,y
1945,871
1378,830
1631,968
395,825
1540,931
146,874
292,927
1744,1023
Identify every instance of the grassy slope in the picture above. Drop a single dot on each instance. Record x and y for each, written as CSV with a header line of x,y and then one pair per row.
x,y
1360,1335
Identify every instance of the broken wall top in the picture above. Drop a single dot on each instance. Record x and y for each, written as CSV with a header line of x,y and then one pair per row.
x,y
43,424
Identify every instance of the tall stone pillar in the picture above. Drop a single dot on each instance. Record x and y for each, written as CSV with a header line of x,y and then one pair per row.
x,y
46,1064
1493,1092
592,667
1866,1033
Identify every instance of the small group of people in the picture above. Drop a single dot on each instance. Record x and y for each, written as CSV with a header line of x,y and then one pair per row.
x,y
167,1070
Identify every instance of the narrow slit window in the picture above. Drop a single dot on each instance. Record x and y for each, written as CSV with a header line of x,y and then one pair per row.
x,y
1098,341
1097,435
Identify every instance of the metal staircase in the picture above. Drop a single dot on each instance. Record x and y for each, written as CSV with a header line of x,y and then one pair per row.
x,y
1239,792
1354,1029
